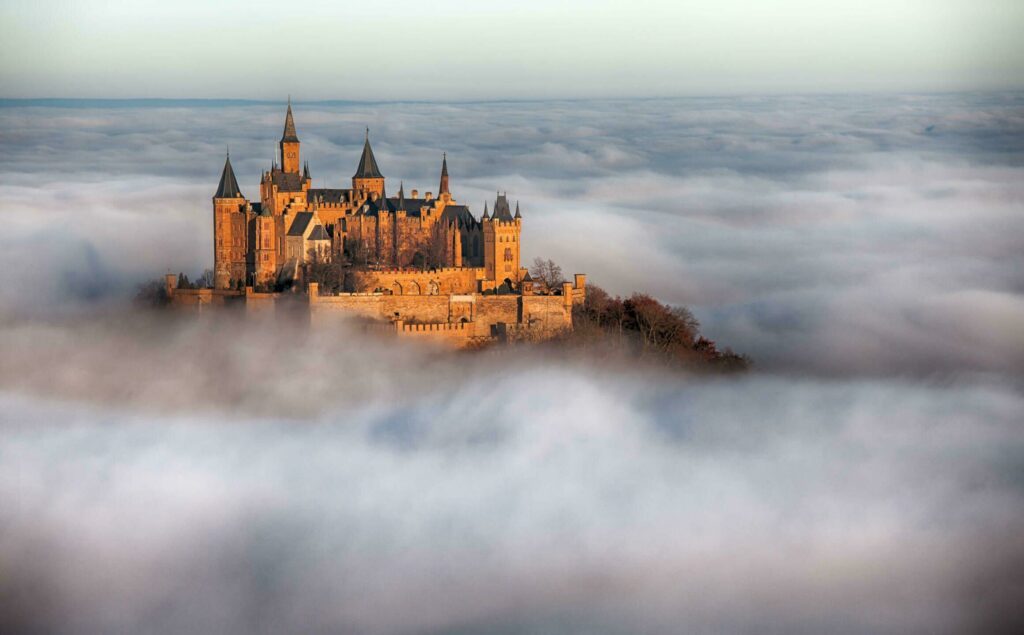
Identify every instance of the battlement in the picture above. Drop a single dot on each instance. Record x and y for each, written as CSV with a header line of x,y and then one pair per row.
x,y
440,327
417,270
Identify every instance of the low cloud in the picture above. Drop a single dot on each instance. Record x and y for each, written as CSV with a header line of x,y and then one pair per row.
x,y
205,484
201,476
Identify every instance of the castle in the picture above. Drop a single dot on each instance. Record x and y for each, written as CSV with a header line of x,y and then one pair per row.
x,y
418,265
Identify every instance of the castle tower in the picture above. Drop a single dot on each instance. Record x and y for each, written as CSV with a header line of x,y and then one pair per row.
x,y
289,144
442,190
501,241
265,252
368,178
229,235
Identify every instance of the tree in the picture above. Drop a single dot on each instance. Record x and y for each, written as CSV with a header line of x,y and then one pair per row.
x,y
432,250
548,272
643,325
152,294
357,252
206,280
324,270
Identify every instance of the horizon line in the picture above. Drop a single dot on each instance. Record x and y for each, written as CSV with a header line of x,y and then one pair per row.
x,y
243,101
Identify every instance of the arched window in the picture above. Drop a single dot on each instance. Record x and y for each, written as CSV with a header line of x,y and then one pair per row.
x,y
396,289
434,288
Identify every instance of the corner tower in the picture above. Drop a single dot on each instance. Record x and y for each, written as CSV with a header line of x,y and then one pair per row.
x,y
229,231
501,241
368,179
289,144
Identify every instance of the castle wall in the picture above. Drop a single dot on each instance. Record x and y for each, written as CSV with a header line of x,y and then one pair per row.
x,y
441,281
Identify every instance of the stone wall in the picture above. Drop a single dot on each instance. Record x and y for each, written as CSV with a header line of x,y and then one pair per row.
x,y
441,281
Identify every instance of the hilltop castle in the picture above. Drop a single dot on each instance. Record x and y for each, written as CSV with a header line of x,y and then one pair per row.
x,y
456,275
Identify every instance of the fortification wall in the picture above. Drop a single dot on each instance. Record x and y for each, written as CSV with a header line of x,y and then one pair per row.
x,y
325,310
416,308
547,313
495,309
440,281
198,299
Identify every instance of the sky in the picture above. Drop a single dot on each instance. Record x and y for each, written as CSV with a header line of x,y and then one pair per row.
x,y
459,50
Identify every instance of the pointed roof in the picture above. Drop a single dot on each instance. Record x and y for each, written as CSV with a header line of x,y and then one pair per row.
x,y
289,125
501,209
305,170
367,163
228,187
485,216
443,188
401,195
318,233
518,215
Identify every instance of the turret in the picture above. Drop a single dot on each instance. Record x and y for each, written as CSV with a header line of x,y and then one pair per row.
x,y
265,251
229,235
443,189
289,144
501,242
368,178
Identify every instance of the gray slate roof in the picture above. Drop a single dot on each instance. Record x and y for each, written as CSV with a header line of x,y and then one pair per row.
x,y
228,187
330,196
289,125
367,163
319,233
458,214
501,209
286,181
300,223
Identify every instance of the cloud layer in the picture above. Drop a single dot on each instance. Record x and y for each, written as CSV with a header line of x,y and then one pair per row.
x,y
198,487
217,477
875,234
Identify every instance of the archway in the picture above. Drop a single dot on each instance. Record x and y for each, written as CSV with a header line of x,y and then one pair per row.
x,y
396,289
434,288
413,288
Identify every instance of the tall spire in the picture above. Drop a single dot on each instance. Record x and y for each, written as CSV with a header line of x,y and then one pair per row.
x,y
485,216
367,163
289,124
401,195
443,189
518,215
228,187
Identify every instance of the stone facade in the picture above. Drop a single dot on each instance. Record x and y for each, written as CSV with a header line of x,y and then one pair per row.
x,y
420,265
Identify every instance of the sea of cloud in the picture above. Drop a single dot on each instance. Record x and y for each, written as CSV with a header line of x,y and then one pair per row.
x,y
213,476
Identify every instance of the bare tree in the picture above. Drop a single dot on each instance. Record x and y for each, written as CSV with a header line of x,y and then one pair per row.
x,y
206,280
432,250
358,254
548,272
324,270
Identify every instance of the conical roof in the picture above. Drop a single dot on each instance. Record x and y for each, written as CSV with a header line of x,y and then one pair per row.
x,y
367,163
228,187
289,125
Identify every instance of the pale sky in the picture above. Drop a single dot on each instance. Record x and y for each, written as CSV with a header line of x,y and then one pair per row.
x,y
458,49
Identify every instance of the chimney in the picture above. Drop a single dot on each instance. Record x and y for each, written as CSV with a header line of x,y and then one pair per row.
x,y
415,193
